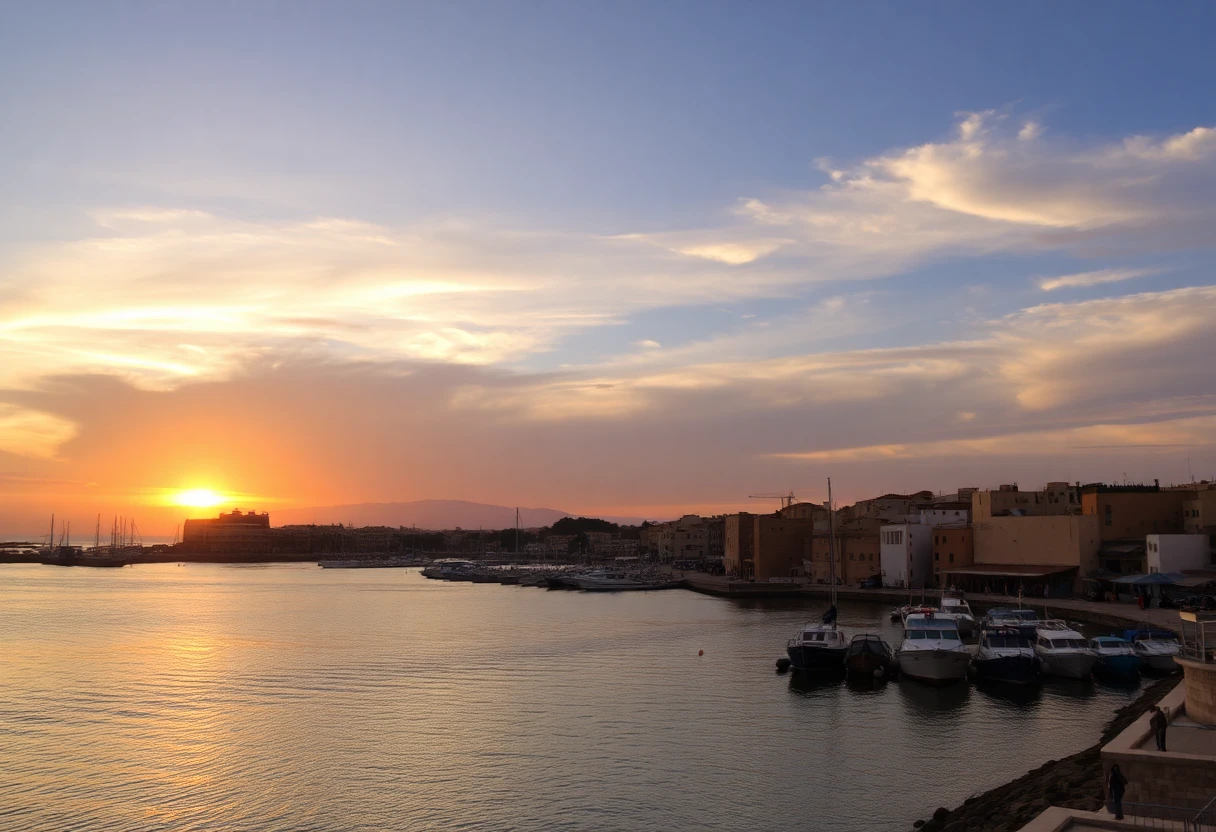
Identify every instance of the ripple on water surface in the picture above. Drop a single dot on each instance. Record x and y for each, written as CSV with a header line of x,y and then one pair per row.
x,y
211,697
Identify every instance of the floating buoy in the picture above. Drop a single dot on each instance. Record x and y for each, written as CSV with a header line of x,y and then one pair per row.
x,y
878,674
783,664
700,652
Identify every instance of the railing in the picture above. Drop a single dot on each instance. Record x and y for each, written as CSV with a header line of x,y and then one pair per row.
x,y
1181,818
1198,636
1205,821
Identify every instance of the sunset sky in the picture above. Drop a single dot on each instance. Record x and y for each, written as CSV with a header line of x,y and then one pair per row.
x,y
629,259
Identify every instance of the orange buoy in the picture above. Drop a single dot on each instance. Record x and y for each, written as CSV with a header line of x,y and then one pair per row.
x,y
700,652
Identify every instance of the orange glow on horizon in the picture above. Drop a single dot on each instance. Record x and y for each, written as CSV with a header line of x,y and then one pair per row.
x,y
198,498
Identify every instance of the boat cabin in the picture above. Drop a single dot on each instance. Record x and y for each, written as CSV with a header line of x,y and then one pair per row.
x,y
1006,637
929,627
821,636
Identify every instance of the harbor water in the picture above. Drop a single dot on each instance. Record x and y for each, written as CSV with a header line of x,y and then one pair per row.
x,y
202,697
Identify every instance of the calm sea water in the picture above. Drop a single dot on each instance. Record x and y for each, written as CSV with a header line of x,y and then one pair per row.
x,y
289,697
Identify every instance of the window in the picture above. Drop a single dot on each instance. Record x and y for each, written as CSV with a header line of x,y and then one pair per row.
x,y
937,556
952,557
1109,515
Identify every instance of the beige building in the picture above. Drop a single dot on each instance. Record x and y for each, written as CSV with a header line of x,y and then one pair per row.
x,y
1199,516
1055,498
739,536
780,545
953,548
1012,549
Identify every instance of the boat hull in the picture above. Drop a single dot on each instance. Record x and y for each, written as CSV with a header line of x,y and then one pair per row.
x,y
1123,665
873,665
935,667
1159,662
1068,665
1014,670
807,658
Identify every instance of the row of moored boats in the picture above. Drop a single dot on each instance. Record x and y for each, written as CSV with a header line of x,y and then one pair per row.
x,y
1015,646
599,579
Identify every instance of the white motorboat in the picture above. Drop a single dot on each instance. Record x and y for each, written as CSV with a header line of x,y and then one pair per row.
x,y
619,582
956,607
1156,648
1062,651
932,650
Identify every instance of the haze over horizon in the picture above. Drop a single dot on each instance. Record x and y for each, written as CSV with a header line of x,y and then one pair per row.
x,y
622,259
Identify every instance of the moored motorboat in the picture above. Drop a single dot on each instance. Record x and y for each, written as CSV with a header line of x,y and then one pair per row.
x,y
955,606
1062,651
1156,648
868,656
932,650
1116,657
1006,654
621,583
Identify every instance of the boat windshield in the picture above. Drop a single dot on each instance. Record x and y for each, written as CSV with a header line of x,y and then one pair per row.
x,y
931,634
812,636
1064,643
1004,641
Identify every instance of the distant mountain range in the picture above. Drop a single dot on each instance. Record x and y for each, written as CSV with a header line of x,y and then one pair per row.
x,y
428,514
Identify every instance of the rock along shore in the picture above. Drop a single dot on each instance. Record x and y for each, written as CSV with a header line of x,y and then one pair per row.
x,y
1074,782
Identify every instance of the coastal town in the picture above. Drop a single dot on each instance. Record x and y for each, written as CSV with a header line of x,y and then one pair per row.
x,y
964,574
1101,541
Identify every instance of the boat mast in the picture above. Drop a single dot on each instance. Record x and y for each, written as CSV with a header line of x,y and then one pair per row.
x,y
831,544
50,541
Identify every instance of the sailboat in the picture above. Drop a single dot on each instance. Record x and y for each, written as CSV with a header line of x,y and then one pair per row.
x,y
822,646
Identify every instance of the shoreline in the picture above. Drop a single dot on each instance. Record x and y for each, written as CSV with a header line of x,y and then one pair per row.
x,y
1074,782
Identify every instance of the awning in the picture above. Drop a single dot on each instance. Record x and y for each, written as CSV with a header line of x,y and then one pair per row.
x,y
1194,580
1153,579
1010,570
1122,549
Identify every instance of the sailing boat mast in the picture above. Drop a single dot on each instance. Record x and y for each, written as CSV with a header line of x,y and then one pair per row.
x,y
50,541
831,544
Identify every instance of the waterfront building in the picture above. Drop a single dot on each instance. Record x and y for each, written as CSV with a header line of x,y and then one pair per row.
x,y
1199,515
739,535
906,554
234,532
779,547
1126,514
953,548
857,552
1177,552
1027,551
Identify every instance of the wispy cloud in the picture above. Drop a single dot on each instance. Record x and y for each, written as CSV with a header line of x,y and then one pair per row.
x,y
1094,278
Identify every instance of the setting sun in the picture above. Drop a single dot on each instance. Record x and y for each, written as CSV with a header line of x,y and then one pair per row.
x,y
198,498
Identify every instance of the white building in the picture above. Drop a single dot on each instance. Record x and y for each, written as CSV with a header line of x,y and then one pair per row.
x,y
1177,552
905,554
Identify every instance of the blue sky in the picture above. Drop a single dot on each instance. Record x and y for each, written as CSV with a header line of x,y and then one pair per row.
x,y
613,215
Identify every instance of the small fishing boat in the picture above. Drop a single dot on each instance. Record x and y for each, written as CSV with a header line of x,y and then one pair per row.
x,y
1006,654
1156,648
932,650
868,656
1116,657
1062,651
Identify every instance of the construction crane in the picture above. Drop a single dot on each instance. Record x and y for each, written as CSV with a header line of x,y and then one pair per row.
x,y
787,500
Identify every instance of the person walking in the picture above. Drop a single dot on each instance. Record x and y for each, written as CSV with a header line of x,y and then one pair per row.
x,y
1116,783
1159,723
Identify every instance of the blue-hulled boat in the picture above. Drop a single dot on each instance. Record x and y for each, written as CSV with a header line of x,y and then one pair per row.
x,y
1116,657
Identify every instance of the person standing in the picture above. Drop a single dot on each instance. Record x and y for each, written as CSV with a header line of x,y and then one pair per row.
x,y
1116,783
1159,723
